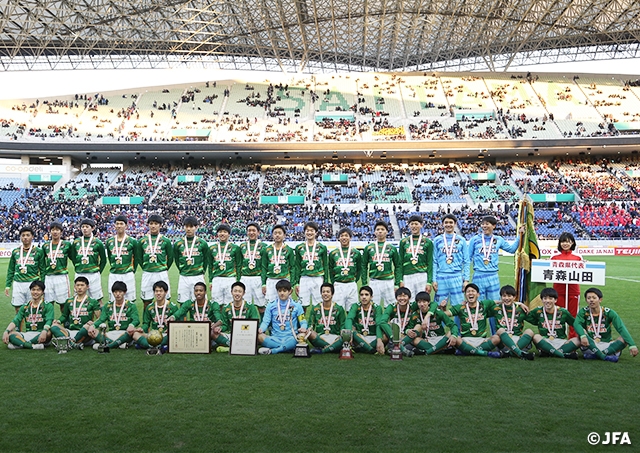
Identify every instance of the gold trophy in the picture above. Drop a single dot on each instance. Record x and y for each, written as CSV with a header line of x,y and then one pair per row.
x,y
154,339
345,352
302,348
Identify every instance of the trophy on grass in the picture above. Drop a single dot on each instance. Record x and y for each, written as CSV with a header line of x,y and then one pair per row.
x,y
396,352
154,339
345,352
102,346
62,344
302,348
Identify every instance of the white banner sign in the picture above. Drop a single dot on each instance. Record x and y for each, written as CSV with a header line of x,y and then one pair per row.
x,y
571,272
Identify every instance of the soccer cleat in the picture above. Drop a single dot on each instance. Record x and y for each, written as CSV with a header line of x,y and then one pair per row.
x,y
264,351
407,352
459,352
527,356
13,346
96,346
222,349
494,354
317,351
164,349
41,346
588,355
571,355
611,358
544,354
124,346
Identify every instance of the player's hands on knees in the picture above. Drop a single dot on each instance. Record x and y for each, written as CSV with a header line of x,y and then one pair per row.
x,y
633,350
43,337
412,333
5,337
584,341
453,341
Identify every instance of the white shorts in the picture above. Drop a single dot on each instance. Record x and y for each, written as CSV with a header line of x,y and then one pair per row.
x,y
129,279
474,341
603,345
272,294
346,294
56,288
309,290
95,284
185,287
221,289
21,294
113,335
415,283
254,291
433,341
28,336
329,337
369,338
151,278
383,290
557,343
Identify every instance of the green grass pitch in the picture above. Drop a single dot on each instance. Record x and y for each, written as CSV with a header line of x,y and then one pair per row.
x,y
127,401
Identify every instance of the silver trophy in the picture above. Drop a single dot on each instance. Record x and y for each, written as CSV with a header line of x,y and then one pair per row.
x,y
62,344
102,347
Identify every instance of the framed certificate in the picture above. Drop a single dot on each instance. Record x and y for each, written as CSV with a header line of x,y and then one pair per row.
x,y
244,337
193,337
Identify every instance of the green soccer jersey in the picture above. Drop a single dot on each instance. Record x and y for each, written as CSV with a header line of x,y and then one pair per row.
x,y
193,312
229,312
56,257
119,317
121,253
473,323
35,317
311,263
345,266
225,260
510,318
437,323
587,324
366,321
538,318
191,255
75,313
88,255
416,256
155,318
286,267
327,320
154,253
393,314
381,261
25,266
251,252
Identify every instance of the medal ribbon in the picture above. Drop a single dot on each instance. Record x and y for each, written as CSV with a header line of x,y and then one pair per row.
x,y
118,249
552,331
326,321
239,314
189,250
428,323
311,257
380,255
448,249
403,321
53,256
486,251
84,250
277,255
76,310
201,316
32,314
23,259
367,320
474,320
344,262
252,254
414,249
510,326
596,330
283,318
117,317
154,247
160,320
222,254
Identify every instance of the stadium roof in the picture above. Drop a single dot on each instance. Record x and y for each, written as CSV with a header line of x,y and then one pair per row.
x,y
314,35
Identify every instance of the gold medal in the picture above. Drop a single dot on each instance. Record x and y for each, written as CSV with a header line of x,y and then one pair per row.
x,y
380,267
153,259
310,267
23,270
449,260
414,261
85,261
473,332
53,265
345,271
277,269
118,327
34,326
76,321
252,266
597,340
551,337
222,267
118,260
365,332
190,261
281,327
486,262
326,331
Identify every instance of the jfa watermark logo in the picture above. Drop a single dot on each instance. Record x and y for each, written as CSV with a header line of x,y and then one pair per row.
x,y
609,438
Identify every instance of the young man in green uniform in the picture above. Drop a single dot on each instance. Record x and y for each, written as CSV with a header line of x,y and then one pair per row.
x,y
89,258
121,250
77,312
121,319
237,309
192,258
510,316
200,308
381,266
364,320
225,265
398,314
550,319
344,269
154,255
26,265
37,316
57,253
326,321
312,263
156,317
278,263
252,250
426,329
416,257
593,326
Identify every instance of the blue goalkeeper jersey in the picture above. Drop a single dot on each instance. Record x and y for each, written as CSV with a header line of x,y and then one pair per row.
x,y
281,320
488,262
458,263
